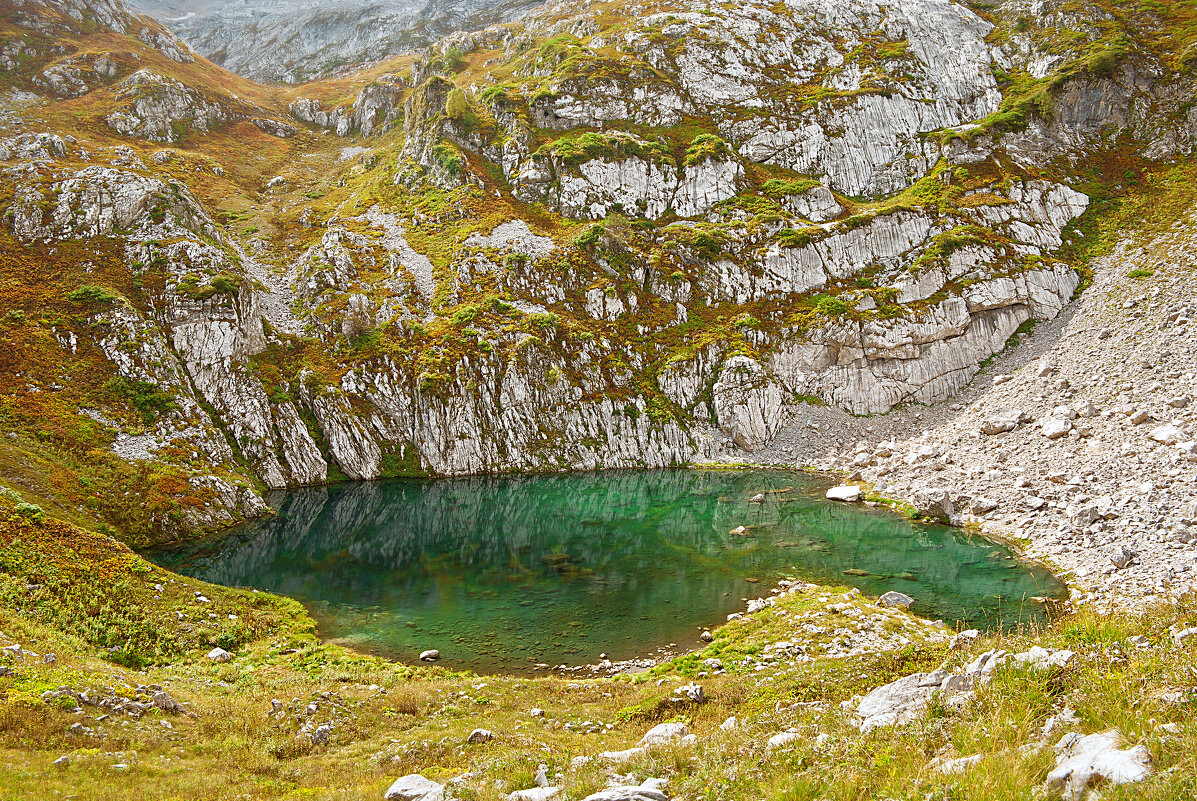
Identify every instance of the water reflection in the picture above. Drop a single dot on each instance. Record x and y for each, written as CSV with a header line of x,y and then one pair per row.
x,y
500,572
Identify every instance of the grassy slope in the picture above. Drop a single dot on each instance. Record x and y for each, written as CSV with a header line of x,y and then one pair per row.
x,y
95,595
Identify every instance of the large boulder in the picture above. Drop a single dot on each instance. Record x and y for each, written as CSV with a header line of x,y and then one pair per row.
x,y
414,787
1085,762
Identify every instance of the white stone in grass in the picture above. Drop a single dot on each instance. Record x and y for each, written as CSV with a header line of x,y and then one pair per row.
x,y
783,739
649,791
535,794
955,766
430,655
1083,762
663,734
415,787
321,735
219,655
480,736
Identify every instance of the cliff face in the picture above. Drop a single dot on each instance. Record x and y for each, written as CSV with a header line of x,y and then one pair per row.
x,y
610,238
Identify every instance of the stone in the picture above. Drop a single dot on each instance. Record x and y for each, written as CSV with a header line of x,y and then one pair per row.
x,y
1180,637
1139,416
415,787
1167,434
690,692
663,734
62,761
650,790
848,493
956,766
219,655
758,498
739,531
896,600
1085,762
933,503
1122,556
985,664
964,639
536,712
430,655
535,794
1040,657
982,505
783,739
480,736
731,724
706,636
898,702
322,735
163,701
1055,427
1002,421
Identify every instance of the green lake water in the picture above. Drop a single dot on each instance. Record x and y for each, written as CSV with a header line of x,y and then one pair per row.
x,y
502,573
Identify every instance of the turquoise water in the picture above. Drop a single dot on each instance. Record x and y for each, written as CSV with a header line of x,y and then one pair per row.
x,y
502,573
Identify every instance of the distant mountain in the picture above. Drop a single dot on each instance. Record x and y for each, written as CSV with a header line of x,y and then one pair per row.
x,y
298,40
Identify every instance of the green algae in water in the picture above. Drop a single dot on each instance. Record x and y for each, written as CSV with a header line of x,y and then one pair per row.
x,y
501,573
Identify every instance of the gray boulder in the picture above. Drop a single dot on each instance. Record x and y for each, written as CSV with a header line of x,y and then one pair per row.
x,y
1002,421
896,599
414,787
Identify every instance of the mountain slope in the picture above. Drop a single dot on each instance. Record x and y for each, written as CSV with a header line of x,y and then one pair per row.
x,y
299,40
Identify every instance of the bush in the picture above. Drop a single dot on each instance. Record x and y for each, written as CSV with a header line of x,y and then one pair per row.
x,y
703,147
147,398
31,512
88,295
779,187
453,59
449,159
589,237
831,307
456,104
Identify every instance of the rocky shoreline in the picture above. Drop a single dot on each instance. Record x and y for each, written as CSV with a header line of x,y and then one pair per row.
x,y
1051,447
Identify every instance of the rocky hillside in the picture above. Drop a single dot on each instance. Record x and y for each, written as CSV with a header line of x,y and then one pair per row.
x,y
299,40
611,236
